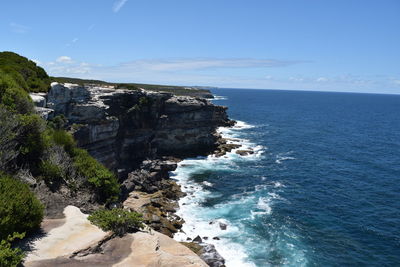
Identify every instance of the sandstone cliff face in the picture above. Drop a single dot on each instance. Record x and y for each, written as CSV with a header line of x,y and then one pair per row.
x,y
122,127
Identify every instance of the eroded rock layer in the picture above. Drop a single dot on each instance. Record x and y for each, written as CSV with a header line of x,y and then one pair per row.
x,y
122,127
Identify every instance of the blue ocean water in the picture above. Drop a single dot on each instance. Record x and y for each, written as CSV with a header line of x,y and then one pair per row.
x,y
321,189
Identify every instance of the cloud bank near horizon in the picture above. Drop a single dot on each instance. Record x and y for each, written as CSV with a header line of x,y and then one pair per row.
x,y
204,71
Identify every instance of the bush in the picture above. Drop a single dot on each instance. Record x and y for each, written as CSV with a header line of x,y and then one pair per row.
x,y
26,73
10,256
58,122
97,175
64,139
33,140
118,220
12,96
9,130
20,210
51,174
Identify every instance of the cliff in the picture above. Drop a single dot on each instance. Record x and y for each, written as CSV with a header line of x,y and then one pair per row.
x,y
140,135
122,127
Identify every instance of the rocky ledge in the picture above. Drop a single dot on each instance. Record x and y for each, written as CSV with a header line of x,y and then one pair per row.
x,y
73,241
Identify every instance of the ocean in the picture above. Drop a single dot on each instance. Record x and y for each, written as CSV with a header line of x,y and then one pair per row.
x,y
321,189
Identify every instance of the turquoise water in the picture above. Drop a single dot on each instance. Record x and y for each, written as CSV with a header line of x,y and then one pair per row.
x,y
321,189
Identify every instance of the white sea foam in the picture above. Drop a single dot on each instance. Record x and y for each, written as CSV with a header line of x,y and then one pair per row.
x,y
205,221
278,184
264,204
284,156
207,183
219,97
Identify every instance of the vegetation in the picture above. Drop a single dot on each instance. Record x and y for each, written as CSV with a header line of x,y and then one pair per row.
x,y
9,256
97,175
177,90
45,149
31,148
118,220
26,73
20,210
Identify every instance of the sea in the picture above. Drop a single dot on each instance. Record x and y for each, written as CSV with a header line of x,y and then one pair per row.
x,y
322,187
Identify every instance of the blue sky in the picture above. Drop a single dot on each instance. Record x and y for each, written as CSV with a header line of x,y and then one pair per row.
x,y
332,45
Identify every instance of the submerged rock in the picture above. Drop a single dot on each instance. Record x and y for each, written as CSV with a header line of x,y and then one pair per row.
x,y
223,226
244,152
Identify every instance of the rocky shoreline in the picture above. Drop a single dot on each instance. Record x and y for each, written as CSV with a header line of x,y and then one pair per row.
x,y
142,136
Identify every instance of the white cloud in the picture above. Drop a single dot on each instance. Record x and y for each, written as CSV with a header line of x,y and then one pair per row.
x,y
187,64
202,72
36,61
64,59
322,79
296,79
118,5
396,82
18,28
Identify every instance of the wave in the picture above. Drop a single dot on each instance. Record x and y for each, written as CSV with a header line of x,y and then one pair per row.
x,y
284,156
228,224
206,221
218,97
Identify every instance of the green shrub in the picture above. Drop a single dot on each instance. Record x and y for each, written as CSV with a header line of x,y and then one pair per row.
x,y
33,140
97,175
50,173
58,122
118,220
12,96
26,73
20,210
9,256
64,139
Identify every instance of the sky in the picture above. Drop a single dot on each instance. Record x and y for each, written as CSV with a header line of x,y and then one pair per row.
x,y
331,45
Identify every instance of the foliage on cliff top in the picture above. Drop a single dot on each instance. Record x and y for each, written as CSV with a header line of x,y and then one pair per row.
x,y
27,141
20,210
10,257
173,89
13,96
97,175
26,73
117,220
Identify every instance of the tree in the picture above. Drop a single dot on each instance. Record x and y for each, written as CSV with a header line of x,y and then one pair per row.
x,y
20,210
117,220
9,130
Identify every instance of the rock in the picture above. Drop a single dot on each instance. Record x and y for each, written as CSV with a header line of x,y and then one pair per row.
x,y
39,99
216,238
207,252
244,152
76,242
45,113
205,237
75,234
198,239
120,129
223,226
211,256
155,249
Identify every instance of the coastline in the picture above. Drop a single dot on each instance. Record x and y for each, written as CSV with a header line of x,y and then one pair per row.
x,y
213,231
